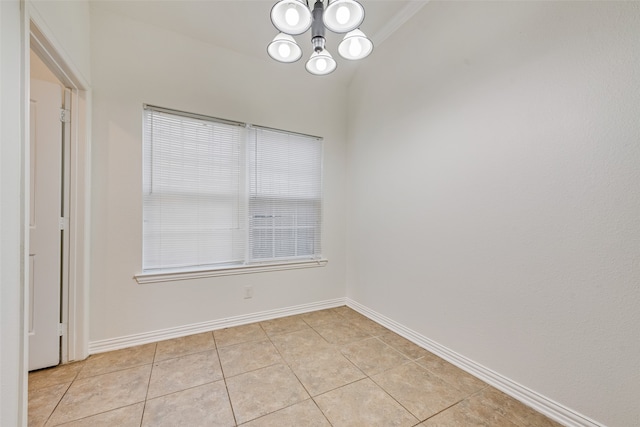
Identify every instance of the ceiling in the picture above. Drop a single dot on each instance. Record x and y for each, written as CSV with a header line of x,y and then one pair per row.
x,y
244,26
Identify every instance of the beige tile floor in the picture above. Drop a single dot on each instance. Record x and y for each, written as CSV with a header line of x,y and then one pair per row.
x,y
326,368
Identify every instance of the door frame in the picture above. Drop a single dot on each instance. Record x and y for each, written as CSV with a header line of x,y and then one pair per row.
x,y
76,247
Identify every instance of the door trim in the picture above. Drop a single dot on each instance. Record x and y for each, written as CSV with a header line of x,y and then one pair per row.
x,y
75,283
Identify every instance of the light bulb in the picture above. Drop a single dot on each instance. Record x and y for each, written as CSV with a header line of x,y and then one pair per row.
x,y
284,50
292,16
321,64
343,14
355,47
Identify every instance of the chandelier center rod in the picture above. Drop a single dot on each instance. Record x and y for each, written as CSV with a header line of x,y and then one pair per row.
x,y
317,27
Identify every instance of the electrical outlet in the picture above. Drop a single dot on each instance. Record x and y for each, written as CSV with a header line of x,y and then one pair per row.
x,y
248,292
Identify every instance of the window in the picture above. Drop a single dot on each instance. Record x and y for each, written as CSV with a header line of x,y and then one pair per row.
x,y
219,194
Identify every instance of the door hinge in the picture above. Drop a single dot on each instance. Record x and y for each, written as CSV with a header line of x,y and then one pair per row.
x,y
65,116
63,223
61,327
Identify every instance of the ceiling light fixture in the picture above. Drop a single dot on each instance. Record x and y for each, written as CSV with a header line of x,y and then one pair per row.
x,y
294,17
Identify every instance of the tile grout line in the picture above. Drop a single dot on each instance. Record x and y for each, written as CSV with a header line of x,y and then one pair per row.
x,y
293,372
454,404
146,395
396,400
409,360
93,415
287,363
63,394
283,361
365,374
335,347
224,378
60,400
439,375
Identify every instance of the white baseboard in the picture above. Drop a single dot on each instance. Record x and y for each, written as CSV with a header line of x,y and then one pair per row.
x,y
540,403
111,344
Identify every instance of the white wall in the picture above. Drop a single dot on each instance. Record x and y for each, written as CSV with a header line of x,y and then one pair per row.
x,y
135,63
67,23
12,362
494,171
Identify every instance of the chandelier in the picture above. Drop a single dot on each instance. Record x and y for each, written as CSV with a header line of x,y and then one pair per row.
x,y
294,17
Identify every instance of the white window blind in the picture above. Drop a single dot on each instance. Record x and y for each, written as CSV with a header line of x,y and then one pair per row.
x,y
285,195
218,193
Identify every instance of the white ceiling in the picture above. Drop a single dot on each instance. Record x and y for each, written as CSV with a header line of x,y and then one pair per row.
x,y
244,26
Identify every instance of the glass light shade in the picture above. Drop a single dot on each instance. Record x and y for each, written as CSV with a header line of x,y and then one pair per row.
x,y
291,16
284,48
342,16
321,63
355,45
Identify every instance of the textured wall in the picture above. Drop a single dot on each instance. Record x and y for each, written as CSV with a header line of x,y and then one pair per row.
x,y
494,170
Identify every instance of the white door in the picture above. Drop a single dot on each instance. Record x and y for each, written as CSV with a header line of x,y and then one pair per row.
x,y
45,235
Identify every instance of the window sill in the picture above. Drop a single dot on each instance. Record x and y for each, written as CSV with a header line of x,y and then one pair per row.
x,y
173,275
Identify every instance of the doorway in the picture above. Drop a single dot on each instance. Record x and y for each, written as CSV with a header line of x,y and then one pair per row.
x,y
48,213
46,61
